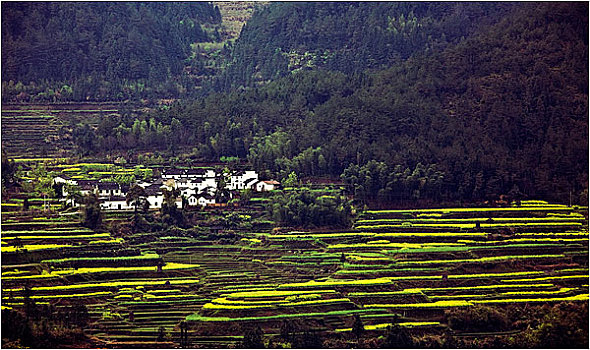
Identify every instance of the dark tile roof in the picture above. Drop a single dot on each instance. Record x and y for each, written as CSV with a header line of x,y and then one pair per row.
x,y
205,195
250,180
198,171
115,198
91,182
153,190
173,171
87,184
108,186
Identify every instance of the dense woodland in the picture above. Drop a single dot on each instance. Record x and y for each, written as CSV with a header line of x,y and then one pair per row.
x,y
348,36
438,101
54,51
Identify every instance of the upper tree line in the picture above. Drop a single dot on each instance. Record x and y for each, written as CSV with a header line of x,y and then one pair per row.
x,y
347,36
99,50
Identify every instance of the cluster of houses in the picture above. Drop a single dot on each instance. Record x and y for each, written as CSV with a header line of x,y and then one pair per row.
x,y
197,187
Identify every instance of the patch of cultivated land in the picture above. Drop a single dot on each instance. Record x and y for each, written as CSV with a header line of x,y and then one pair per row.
x,y
30,130
235,14
402,267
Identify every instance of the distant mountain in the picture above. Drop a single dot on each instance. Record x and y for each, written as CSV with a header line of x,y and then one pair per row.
x,y
99,50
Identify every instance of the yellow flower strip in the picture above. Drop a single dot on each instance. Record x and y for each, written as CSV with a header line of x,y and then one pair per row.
x,y
580,297
112,284
275,293
382,326
211,306
549,278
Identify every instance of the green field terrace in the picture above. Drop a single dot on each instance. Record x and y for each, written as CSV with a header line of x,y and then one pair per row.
x,y
393,267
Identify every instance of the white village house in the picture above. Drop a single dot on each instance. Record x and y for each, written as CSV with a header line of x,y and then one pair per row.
x,y
198,186
264,186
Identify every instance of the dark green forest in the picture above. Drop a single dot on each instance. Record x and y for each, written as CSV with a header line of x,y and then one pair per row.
x,y
54,51
403,101
348,37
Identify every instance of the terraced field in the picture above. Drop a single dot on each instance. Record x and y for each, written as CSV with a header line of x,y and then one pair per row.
x,y
45,130
407,274
140,288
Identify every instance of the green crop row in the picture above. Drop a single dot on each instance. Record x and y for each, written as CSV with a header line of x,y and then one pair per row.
x,y
466,226
408,291
469,248
91,270
27,160
580,233
96,235
513,240
387,244
568,218
386,270
162,302
436,304
540,292
548,278
197,317
580,297
471,302
494,275
46,232
148,256
376,234
65,296
479,260
32,247
317,284
555,207
113,284
383,326
449,289
212,306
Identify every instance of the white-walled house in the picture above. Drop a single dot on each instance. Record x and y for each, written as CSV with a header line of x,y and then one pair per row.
x,y
194,173
87,186
64,180
192,200
263,186
116,203
198,186
201,199
172,174
108,189
239,180
206,200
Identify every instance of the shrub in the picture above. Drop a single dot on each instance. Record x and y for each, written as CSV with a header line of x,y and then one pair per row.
x,y
478,318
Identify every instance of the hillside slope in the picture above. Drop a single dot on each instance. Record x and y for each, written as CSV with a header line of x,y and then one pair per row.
x,y
502,111
348,36
98,51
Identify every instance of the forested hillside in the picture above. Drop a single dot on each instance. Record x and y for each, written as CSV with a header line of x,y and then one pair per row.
x,y
347,36
99,50
404,100
503,111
